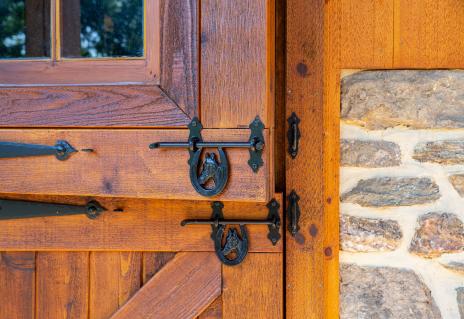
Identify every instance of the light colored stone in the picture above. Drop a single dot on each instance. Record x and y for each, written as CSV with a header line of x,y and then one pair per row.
x,y
412,98
393,191
437,234
384,292
358,153
453,262
441,152
359,234
458,183
460,300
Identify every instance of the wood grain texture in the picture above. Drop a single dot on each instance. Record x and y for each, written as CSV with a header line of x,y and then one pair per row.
x,y
123,165
237,62
429,34
89,106
214,310
366,29
311,254
179,52
17,285
114,278
143,226
254,289
182,289
62,285
153,262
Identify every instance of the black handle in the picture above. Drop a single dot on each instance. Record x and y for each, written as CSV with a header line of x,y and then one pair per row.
x,y
62,150
293,213
293,135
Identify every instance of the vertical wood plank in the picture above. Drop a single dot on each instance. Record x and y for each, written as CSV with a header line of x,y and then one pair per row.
x,y
38,22
214,310
179,47
62,285
254,289
70,29
154,262
114,278
313,79
237,62
366,33
429,34
17,285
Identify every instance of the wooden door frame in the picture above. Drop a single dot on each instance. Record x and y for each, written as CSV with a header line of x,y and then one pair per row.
x,y
313,93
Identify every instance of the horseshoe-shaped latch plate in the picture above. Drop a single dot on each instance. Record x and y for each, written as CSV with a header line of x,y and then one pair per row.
x,y
233,249
211,170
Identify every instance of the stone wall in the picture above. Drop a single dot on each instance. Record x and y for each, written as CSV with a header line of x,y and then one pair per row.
x,y
402,195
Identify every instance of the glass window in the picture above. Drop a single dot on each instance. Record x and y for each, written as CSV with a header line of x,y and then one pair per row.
x,y
102,28
24,28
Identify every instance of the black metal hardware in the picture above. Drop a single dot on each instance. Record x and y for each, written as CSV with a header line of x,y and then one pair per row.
x,y
293,135
293,213
211,168
62,150
235,247
16,209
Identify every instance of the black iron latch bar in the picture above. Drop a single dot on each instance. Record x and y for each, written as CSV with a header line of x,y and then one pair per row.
x,y
236,245
211,169
61,150
18,209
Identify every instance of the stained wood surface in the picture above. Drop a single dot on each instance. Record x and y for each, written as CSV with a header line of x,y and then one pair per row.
x,y
89,106
143,226
62,285
17,285
153,262
254,289
214,310
429,34
123,165
193,278
179,52
114,278
237,62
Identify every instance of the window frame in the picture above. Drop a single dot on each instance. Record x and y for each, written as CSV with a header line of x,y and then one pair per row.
x,y
56,70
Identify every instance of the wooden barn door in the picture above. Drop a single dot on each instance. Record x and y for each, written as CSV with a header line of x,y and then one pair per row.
x,y
85,88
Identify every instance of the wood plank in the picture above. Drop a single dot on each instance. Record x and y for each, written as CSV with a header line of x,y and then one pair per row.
x,y
366,33
182,289
237,62
114,278
89,106
17,285
313,43
143,226
123,165
153,262
214,311
62,285
179,57
37,18
429,34
254,288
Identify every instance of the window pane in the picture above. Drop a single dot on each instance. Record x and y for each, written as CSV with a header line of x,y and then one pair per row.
x,y
102,28
24,28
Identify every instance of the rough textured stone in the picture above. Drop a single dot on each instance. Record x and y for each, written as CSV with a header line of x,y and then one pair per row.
x,y
456,266
384,292
437,234
458,183
392,191
359,153
416,99
441,152
460,299
359,234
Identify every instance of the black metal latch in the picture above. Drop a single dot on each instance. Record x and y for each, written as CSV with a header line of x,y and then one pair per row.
x,y
61,150
16,209
235,247
211,169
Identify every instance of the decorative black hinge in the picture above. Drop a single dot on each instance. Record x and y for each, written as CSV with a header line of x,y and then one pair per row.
x,y
293,135
17,209
235,247
61,150
293,213
211,169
